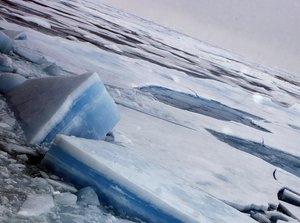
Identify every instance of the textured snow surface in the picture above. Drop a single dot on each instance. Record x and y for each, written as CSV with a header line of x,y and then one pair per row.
x,y
220,124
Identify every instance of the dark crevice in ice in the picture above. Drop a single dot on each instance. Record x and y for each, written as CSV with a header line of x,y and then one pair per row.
x,y
196,104
285,161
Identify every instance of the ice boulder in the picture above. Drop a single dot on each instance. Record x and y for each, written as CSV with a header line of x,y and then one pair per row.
x,y
74,105
132,185
36,204
9,81
6,43
87,196
6,64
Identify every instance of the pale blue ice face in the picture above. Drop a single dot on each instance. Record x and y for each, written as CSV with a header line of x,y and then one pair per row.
x,y
5,43
91,116
75,105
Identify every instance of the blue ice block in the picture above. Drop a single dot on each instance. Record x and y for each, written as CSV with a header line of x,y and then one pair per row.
x,y
6,43
133,186
76,105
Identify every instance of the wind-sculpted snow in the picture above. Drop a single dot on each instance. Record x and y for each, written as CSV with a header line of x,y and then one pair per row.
x,y
27,192
9,81
278,158
195,103
5,43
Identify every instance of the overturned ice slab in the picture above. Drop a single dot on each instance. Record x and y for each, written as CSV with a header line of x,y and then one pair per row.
x,y
133,186
76,105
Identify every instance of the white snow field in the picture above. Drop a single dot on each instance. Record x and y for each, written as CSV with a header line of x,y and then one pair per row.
x,y
204,135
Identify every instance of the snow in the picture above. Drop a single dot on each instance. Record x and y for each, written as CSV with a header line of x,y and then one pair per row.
x,y
15,35
289,196
29,54
36,204
76,105
232,159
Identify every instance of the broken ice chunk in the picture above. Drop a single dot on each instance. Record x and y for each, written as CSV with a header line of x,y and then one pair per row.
x,y
75,105
5,43
133,186
289,196
36,204
87,196
29,54
9,81
66,198
5,64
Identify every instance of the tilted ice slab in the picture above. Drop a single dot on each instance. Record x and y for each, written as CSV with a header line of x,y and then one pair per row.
x,y
76,105
132,185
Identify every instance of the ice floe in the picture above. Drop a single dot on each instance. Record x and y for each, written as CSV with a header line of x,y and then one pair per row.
x,y
76,105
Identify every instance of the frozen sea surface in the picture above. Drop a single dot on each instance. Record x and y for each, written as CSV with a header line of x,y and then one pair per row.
x,y
219,123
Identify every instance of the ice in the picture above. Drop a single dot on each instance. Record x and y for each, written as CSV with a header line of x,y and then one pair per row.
x,y
133,54
9,81
132,185
36,204
53,70
5,43
88,196
289,196
29,54
66,198
5,64
16,35
75,105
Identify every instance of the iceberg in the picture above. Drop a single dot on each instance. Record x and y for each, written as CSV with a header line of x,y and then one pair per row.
x,y
75,105
133,186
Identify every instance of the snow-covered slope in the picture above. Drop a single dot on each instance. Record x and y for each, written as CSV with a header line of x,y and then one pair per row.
x,y
220,124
